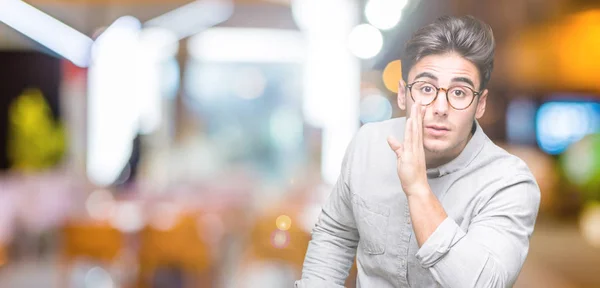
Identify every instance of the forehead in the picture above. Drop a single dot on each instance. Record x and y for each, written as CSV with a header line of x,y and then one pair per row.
x,y
446,67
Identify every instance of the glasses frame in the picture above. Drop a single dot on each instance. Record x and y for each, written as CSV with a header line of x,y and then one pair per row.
x,y
437,93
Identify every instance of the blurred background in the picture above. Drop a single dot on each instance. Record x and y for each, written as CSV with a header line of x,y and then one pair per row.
x,y
149,143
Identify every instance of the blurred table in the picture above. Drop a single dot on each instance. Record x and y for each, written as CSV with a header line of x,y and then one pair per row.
x,y
559,257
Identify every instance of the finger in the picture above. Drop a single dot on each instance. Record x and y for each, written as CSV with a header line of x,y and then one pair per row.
x,y
416,112
420,126
408,134
395,145
414,109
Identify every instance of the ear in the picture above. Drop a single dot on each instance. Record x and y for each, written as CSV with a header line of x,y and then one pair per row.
x,y
481,104
402,94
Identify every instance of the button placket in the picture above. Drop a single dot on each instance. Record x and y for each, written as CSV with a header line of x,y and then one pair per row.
x,y
406,232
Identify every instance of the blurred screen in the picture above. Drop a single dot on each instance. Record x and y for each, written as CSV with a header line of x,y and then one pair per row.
x,y
561,123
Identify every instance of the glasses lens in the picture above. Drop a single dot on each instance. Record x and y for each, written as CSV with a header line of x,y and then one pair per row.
x,y
423,91
460,97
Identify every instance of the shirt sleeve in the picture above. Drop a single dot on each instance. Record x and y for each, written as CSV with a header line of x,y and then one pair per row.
x,y
493,250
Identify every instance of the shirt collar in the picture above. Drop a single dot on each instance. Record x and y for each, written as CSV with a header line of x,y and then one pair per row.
x,y
465,157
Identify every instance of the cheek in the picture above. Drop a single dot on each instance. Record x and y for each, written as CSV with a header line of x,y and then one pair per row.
x,y
463,123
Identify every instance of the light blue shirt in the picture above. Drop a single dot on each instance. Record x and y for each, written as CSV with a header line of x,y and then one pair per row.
x,y
490,196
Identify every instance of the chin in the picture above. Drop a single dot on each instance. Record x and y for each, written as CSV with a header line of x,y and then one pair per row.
x,y
436,146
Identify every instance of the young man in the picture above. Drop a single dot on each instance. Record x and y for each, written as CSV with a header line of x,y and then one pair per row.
x,y
442,207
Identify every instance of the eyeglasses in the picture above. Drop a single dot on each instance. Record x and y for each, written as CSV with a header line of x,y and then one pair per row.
x,y
459,97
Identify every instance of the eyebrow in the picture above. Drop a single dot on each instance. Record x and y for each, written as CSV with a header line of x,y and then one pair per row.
x,y
426,75
464,80
456,79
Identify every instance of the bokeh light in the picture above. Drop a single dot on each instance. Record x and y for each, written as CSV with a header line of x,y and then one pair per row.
x,y
384,14
365,41
590,224
98,278
307,15
392,74
100,205
375,108
280,239
581,164
165,216
561,123
128,217
283,222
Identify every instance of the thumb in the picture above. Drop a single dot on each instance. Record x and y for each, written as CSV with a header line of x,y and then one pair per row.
x,y
395,145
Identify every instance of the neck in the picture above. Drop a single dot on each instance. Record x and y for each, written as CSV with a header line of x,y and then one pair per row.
x,y
435,159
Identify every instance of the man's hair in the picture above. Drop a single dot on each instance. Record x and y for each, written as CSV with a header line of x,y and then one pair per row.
x,y
469,37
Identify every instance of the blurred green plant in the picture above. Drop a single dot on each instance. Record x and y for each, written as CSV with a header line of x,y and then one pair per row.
x,y
581,165
35,140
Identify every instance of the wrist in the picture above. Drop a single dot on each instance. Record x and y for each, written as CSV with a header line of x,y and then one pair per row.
x,y
418,190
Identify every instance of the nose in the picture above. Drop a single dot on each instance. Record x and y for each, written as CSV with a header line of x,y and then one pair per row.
x,y
440,105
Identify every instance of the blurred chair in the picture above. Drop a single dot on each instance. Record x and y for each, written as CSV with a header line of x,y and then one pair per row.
x,y
95,241
289,251
273,256
269,243
3,256
99,241
177,253
278,237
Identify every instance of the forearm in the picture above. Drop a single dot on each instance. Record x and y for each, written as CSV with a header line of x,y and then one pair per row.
x,y
426,213
457,260
492,250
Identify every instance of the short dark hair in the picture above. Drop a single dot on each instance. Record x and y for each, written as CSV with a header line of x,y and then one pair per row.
x,y
469,37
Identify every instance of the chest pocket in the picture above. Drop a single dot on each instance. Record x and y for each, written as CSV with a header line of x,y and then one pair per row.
x,y
372,223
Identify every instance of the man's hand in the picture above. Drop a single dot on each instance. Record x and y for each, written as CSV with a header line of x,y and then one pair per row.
x,y
426,211
411,154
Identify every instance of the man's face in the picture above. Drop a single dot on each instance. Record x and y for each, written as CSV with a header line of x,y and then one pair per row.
x,y
446,130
